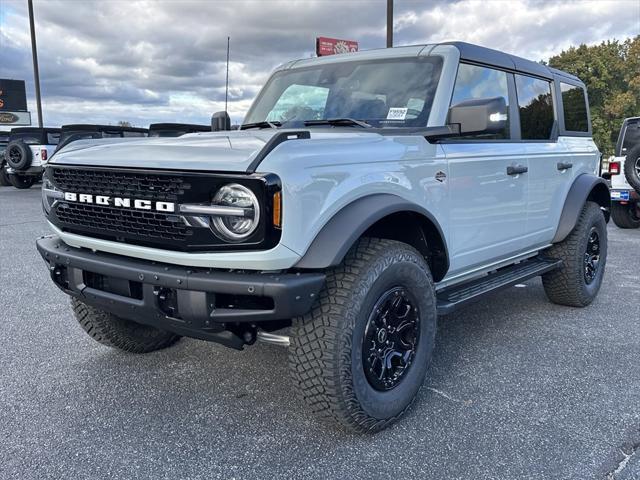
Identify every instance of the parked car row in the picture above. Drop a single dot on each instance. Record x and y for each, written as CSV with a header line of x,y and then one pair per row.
x,y
25,151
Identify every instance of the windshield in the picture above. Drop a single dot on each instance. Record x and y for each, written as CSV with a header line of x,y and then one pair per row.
x,y
382,93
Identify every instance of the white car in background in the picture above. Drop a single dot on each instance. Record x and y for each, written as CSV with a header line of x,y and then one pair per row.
x,y
27,153
624,172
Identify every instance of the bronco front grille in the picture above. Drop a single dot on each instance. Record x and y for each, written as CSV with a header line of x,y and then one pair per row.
x,y
166,230
147,186
150,225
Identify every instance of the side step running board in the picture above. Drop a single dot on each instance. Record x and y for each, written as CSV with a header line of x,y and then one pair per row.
x,y
454,297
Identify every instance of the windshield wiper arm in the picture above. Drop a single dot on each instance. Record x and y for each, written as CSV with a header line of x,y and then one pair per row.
x,y
264,124
336,122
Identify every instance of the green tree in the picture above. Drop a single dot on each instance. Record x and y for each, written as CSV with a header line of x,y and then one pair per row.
x,y
611,72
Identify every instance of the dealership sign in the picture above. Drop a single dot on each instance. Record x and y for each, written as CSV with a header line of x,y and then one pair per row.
x,y
13,103
15,118
331,46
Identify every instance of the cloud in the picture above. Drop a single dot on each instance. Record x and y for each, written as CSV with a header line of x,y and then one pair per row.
x,y
148,61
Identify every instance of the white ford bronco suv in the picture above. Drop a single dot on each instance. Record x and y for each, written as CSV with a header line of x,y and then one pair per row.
x,y
27,153
624,173
364,195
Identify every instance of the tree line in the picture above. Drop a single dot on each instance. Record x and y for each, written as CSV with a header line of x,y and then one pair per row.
x,y
611,72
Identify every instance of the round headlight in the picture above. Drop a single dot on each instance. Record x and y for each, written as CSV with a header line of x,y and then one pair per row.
x,y
236,227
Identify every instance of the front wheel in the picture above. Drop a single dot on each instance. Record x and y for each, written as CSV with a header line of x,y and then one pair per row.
x,y
360,356
626,216
119,333
21,182
584,256
4,177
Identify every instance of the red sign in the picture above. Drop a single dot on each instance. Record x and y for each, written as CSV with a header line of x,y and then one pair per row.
x,y
331,46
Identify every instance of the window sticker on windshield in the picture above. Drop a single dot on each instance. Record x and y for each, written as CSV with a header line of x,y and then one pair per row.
x,y
397,113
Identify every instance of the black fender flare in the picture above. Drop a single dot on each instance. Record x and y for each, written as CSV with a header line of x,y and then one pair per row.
x,y
585,187
341,232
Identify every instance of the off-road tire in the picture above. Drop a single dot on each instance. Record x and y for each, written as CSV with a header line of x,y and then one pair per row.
x,y
325,355
4,177
626,216
631,166
18,155
119,333
567,285
21,182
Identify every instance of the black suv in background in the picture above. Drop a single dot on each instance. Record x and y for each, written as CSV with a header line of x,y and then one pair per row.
x,y
74,132
175,129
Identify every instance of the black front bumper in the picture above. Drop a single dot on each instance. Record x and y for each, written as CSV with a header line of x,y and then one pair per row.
x,y
202,303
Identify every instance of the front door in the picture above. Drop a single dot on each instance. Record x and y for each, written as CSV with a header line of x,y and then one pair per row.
x,y
488,197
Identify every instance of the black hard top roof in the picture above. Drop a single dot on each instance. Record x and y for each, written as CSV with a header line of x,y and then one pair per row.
x,y
100,128
180,126
35,130
488,56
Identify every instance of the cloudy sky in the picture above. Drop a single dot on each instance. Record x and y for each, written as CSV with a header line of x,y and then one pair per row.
x,y
148,61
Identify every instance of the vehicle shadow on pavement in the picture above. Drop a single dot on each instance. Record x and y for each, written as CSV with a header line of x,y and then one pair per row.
x,y
199,379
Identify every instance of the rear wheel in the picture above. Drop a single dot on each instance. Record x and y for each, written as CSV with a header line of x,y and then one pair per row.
x,y
18,155
361,355
21,181
584,256
632,168
119,333
626,216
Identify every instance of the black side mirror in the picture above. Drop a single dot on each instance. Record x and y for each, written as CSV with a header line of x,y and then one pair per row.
x,y
220,121
484,115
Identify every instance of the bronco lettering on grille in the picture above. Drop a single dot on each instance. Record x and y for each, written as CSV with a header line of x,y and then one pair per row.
x,y
120,202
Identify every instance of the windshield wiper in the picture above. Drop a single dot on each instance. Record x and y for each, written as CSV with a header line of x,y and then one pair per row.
x,y
264,124
337,122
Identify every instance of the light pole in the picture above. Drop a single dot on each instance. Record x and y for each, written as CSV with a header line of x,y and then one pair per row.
x,y
34,54
226,85
389,23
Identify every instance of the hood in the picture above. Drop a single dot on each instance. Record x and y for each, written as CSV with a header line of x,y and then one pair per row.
x,y
221,151
231,151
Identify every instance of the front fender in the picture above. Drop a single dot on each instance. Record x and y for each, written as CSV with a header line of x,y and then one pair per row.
x,y
341,232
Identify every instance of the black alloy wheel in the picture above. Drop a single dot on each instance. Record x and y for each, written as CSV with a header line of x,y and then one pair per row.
x,y
390,339
592,256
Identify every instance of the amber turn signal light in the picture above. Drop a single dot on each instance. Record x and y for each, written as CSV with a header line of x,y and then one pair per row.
x,y
277,210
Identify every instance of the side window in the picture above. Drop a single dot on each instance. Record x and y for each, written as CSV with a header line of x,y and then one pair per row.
x,y
574,106
304,101
535,105
53,138
475,83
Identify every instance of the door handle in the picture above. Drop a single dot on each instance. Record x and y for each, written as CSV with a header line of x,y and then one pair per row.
x,y
516,169
564,166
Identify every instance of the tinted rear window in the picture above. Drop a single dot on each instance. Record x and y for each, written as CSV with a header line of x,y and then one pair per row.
x,y
631,136
535,104
574,105
29,138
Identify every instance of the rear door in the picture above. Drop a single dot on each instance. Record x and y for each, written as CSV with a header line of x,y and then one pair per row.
x,y
487,204
551,171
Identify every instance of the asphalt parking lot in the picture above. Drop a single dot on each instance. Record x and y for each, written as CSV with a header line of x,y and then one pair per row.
x,y
519,388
